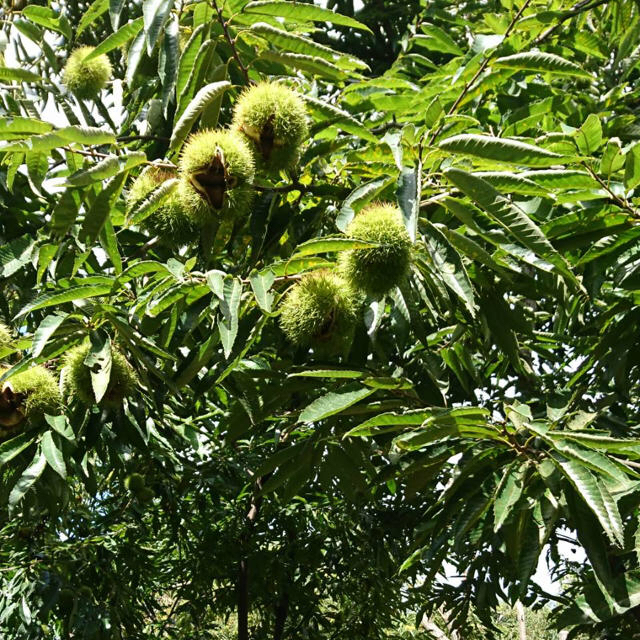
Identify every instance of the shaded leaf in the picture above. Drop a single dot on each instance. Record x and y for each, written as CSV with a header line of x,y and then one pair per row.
x,y
334,402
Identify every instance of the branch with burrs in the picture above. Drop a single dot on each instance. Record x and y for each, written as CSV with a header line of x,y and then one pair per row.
x,y
98,155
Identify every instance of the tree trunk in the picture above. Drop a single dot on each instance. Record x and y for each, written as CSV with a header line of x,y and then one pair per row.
x,y
282,609
243,600
243,570
522,623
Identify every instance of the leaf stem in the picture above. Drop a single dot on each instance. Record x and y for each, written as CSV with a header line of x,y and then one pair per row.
x,y
90,153
623,203
629,463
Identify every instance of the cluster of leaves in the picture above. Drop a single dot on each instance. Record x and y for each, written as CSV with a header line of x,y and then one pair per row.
x,y
488,406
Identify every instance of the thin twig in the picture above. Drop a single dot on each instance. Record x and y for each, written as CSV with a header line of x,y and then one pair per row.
x,y
294,186
231,41
142,251
132,138
98,154
581,7
162,165
629,463
289,278
478,73
85,152
623,203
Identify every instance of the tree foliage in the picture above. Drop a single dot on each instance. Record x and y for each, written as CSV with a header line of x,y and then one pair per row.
x,y
477,415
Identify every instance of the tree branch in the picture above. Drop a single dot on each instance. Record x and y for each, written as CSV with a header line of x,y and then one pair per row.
x,y
581,7
478,73
294,186
628,463
231,41
132,138
623,203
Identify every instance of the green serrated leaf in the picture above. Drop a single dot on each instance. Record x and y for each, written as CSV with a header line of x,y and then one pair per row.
x,y
508,493
301,12
358,198
15,255
11,74
95,10
261,284
512,219
54,298
28,478
589,135
45,330
9,449
101,208
106,168
328,373
155,14
449,266
501,150
632,168
205,96
53,454
334,402
313,65
340,118
117,39
296,43
541,63
152,201
98,360
408,192
595,496
229,306
329,245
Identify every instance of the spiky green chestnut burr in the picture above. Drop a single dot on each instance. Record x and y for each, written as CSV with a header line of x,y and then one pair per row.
x,y
65,601
320,311
273,118
77,378
145,495
86,79
134,483
85,593
26,397
377,270
170,222
5,336
216,176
